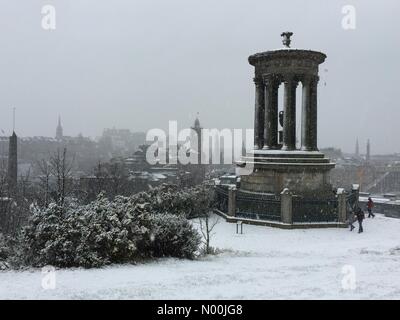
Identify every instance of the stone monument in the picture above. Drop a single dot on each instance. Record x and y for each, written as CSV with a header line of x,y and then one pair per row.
x,y
284,184
277,163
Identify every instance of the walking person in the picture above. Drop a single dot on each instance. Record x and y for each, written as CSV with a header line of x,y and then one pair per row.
x,y
360,217
370,205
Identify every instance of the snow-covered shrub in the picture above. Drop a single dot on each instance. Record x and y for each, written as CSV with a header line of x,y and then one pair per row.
x,y
100,233
4,248
190,202
173,236
210,251
5,252
105,232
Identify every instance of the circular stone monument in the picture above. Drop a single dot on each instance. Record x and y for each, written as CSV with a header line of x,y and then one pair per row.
x,y
276,164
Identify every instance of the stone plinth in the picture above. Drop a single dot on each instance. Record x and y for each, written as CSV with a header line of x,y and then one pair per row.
x,y
305,173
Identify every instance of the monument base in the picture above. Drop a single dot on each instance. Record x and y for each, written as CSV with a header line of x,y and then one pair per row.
x,y
304,173
285,189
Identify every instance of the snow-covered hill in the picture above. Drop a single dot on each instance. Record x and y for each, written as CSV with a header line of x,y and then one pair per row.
x,y
263,263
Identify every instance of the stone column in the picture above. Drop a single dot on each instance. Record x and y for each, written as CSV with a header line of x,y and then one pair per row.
x,y
289,115
232,201
286,206
259,114
271,114
305,115
355,188
313,114
342,205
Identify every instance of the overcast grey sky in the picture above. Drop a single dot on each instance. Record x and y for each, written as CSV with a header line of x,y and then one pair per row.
x,y
138,63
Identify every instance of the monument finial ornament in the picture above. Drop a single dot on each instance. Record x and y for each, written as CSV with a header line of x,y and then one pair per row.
x,y
286,38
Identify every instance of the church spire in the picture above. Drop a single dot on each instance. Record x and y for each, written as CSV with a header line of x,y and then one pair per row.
x,y
357,149
59,131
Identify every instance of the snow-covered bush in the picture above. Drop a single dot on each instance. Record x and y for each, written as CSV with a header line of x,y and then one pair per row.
x,y
173,236
190,202
105,232
4,249
5,252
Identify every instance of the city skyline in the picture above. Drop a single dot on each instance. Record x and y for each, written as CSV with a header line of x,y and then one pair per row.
x,y
362,151
147,64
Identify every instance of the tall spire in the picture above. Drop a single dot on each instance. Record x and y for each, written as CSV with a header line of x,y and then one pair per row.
x,y
357,149
197,122
198,129
13,163
368,155
198,171
59,131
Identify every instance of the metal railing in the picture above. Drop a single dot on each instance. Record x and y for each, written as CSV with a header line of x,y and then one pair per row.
x,y
260,207
268,207
221,199
307,210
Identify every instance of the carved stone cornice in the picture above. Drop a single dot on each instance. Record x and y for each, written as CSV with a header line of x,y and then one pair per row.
x,y
286,55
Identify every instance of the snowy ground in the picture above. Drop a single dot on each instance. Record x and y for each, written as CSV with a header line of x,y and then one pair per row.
x,y
263,263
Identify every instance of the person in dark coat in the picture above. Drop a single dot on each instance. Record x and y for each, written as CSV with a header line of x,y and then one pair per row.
x,y
370,205
359,214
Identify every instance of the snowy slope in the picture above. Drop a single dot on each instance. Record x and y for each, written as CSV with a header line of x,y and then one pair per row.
x,y
263,263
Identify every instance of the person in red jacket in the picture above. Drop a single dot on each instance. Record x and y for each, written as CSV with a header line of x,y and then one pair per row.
x,y
370,205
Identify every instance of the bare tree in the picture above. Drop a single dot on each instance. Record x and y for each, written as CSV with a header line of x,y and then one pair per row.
x,y
61,169
207,225
101,176
21,203
44,181
90,187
